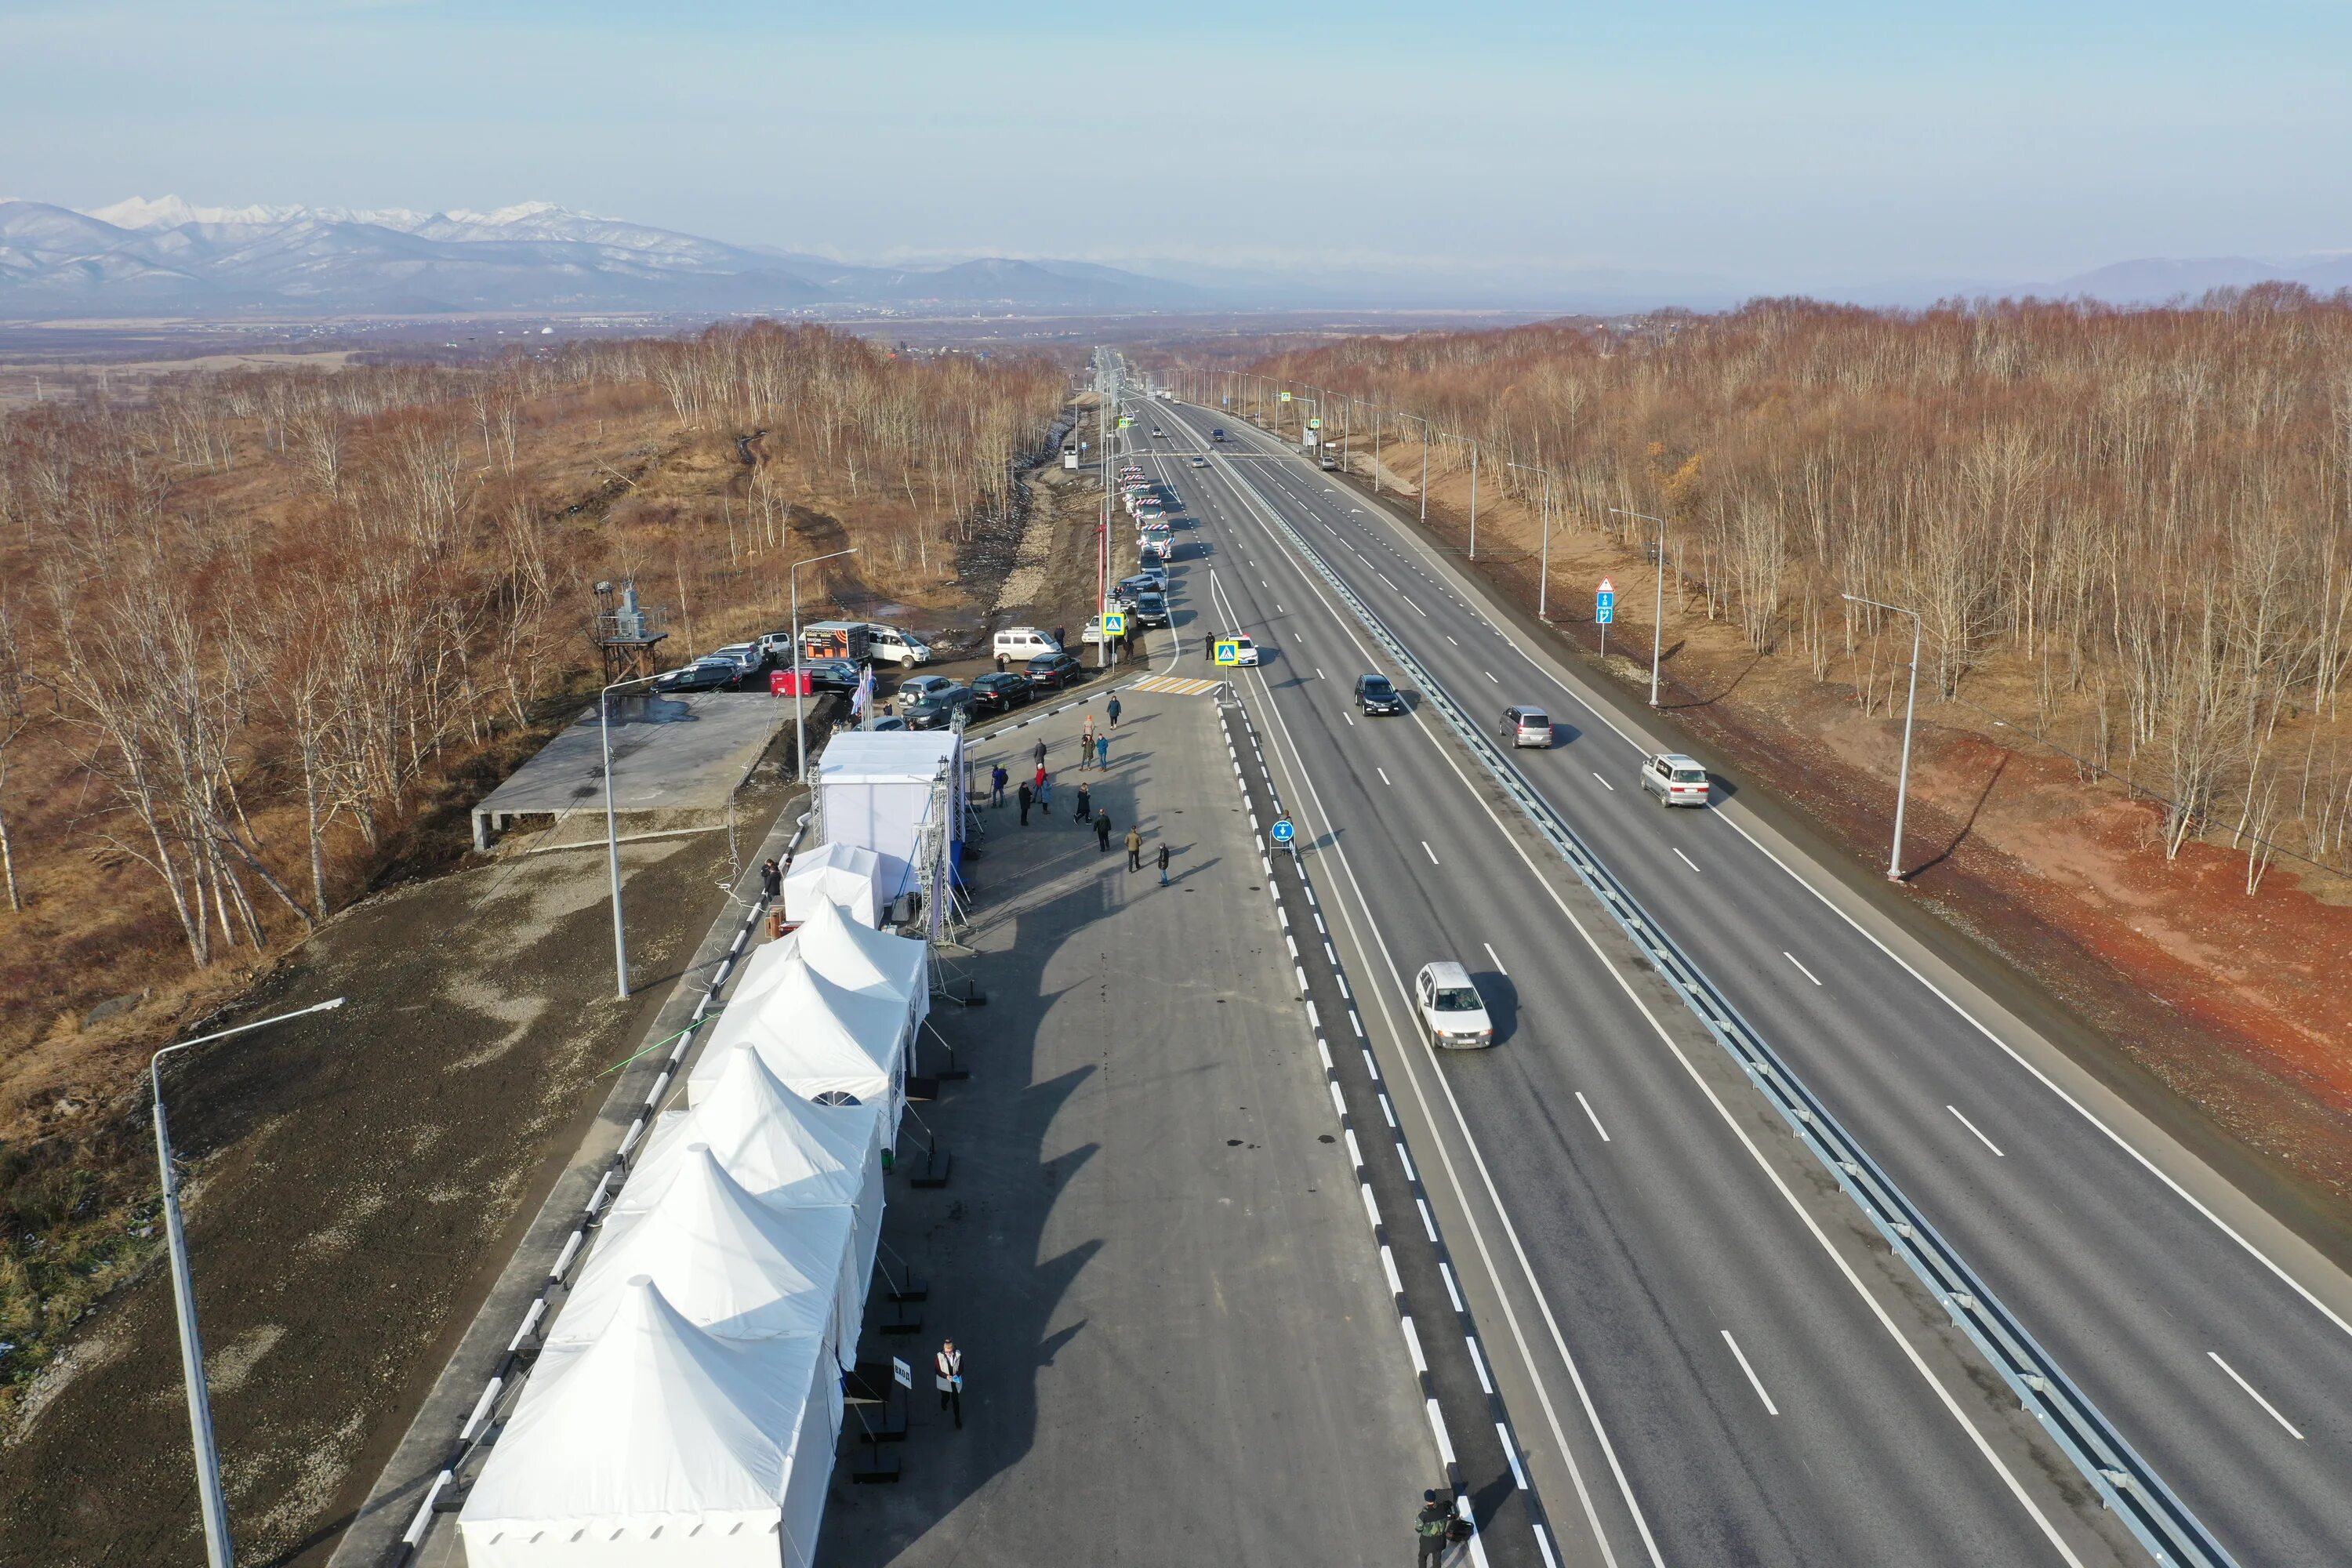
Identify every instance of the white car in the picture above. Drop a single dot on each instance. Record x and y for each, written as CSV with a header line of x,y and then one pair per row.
x,y
1244,650
1674,779
746,656
1453,1014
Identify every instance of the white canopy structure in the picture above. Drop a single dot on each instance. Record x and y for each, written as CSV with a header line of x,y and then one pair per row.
x,y
889,791
850,954
785,1151
725,1260
843,873
820,1039
661,1446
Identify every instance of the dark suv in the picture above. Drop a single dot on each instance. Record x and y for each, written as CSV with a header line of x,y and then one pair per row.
x,y
937,710
1001,692
1378,694
1056,670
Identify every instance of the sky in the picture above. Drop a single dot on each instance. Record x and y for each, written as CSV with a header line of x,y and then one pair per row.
x,y
1812,144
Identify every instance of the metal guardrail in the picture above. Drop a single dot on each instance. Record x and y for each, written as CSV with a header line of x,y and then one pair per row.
x,y
2127,1484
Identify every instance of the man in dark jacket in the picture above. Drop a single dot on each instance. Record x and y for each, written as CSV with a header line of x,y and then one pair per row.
x,y
1429,1527
1102,831
1028,796
772,880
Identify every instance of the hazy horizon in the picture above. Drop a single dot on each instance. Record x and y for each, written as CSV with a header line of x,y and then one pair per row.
x,y
1835,149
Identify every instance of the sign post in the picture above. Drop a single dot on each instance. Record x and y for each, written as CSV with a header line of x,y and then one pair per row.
x,y
1604,610
1226,651
901,1373
1284,835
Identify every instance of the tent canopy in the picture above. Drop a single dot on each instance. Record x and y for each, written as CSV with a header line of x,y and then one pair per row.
x,y
658,1443
724,1260
874,790
844,873
818,1038
862,959
785,1150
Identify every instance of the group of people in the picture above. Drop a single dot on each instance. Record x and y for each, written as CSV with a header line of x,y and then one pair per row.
x,y
1036,793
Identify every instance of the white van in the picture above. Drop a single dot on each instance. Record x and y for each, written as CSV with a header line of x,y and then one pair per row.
x,y
892,644
1020,644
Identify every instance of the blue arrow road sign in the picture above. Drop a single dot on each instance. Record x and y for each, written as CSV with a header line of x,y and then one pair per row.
x,y
1283,831
1604,603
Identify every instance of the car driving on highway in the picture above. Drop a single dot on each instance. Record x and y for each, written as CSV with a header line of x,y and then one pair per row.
x,y
1453,1014
1674,779
1378,694
1525,726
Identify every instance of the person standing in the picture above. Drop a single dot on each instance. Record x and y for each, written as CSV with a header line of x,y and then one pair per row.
x,y
1102,832
1044,797
1163,863
1037,780
1027,795
1086,805
1429,1527
1135,849
1038,756
1087,743
946,1377
772,880
1113,710
1102,753
997,780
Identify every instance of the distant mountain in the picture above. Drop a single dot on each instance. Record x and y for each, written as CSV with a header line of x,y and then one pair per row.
x,y
166,256
2156,279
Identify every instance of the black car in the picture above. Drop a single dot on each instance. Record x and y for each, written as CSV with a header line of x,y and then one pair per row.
x,y
1001,692
1055,670
1150,610
702,675
833,674
938,710
1378,694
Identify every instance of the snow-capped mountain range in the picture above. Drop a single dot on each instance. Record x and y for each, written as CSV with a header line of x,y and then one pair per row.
x,y
163,256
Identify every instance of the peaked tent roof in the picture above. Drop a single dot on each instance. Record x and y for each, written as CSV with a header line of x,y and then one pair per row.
x,y
725,1262
848,874
783,1148
862,959
655,1418
815,1036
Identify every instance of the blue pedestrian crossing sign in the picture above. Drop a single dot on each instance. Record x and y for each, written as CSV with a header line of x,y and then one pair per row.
x,y
1604,603
1115,624
1282,832
1228,650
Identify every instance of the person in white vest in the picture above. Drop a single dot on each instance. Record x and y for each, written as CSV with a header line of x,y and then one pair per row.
x,y
948,1376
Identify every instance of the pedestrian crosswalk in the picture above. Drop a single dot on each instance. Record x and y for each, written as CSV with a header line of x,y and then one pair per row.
x,y
1178,685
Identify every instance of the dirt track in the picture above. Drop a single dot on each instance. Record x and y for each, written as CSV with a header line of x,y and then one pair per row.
x,y
356,1182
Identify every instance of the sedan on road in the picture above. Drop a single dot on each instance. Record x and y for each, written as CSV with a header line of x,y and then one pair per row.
x,y
1453,1014
1001,692
1199,461
1378,694
1052,671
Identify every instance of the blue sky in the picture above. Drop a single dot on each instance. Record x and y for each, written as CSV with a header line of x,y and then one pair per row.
x,y
1830,143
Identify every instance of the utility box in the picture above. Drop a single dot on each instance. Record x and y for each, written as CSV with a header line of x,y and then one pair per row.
x,y
790,683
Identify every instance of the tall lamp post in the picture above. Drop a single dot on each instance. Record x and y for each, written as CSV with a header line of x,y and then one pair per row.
x,y
613,831
219,1551
1903,778
1658,610
1543,584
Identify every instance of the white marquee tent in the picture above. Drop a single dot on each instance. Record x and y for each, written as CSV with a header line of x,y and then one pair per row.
x,y
725,1260
843,873
660,1445
784,1150
818,1038
850,954
874,790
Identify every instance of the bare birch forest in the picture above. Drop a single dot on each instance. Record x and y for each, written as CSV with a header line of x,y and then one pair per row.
x,y
2125,532
245,622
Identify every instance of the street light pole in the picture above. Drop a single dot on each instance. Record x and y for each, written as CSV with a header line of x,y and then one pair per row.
x,y
1474,500
1658,611
1903,777
1543,581
219,1551
613,832
799,698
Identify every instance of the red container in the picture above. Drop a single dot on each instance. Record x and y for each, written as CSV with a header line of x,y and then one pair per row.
x,y
790,683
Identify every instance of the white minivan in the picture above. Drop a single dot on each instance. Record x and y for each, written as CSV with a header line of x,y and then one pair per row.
x,y
1453,1014
1022,644
894,645
1674,779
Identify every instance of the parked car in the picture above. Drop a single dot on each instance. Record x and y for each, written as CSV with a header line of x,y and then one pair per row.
x,y
1377,693
1024,642
1149,609
1525,726
702,675
748,657
833,674
1001,692
895,645
916,688
1055,670
1453,1014
938,710
1674,779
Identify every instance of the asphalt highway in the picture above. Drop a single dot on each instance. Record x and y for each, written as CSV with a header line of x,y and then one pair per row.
x,y
1722,1380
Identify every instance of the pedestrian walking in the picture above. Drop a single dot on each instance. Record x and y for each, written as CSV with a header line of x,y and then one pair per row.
x,y
946,1377
1000,664
1113,710
772,880
997,779
1086,744
1086,805
1046,796
1429,1527
1027,796
1102,832
1102,753
1135,849
1038,756
1163,864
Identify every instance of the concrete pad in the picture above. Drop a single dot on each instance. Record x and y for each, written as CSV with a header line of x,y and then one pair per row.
x,y
1179,1342
689,752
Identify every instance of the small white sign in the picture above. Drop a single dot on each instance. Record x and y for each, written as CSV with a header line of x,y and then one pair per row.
x,y
901,1373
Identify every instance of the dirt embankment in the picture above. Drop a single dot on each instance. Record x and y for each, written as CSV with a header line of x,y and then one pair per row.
x,y
2231,1000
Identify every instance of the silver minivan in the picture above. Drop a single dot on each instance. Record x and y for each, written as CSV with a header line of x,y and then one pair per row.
x,y
1675,779
1525,726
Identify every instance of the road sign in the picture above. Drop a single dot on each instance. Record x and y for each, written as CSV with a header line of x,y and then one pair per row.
x,y
1315,424
1282,832
1286,397
1228,650
901,1373
1124,420
1604,603
1115,624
